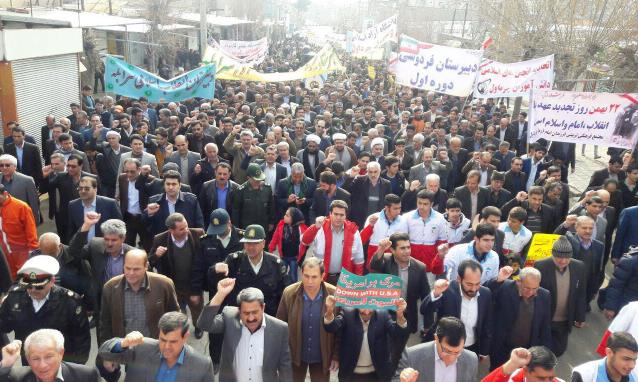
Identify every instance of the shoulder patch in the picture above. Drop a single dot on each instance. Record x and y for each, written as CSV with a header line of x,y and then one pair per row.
x,y
278,261
235,255
70,293
78,310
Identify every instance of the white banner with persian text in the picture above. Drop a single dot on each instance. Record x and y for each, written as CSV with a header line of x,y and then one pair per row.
x,y
435,67
606,119
243,49
497,79
369,43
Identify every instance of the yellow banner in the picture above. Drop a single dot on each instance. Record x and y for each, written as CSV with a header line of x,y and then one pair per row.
x,y
325,61
540,247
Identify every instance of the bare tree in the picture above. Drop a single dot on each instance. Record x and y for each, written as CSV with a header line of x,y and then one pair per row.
x,y
578,32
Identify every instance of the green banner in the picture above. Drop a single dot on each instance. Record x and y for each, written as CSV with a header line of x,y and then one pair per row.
x,y
372,291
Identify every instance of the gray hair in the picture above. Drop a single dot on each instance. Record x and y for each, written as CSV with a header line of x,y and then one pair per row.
x,y
418,137
10,158
49,236
114,227
283,144
60,156
171,321
42,338
313,262
372,165
579,220
246,133
297,167
173,219
211,144
250,295
530,272
433,177
137,162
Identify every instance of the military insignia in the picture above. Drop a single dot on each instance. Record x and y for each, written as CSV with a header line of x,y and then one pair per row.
x,y
250,233
70,293
16,306
78,310
278,260
235,255
216,221
33,276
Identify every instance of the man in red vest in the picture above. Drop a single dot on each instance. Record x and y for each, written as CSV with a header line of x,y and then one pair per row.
x,y
336,241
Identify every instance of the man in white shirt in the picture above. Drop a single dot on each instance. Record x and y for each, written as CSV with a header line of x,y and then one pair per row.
x,y
255,344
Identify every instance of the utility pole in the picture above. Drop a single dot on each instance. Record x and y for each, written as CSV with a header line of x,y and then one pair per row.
x,y
203,27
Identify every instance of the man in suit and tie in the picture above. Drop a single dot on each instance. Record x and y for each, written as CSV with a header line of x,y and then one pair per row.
x,y
273,171
44,350
89,201
368,334
481,163
255,344
186,160
466,299
28,155
20,186
444,359
326,192
524,317
152,359
472,197
137,152
566,282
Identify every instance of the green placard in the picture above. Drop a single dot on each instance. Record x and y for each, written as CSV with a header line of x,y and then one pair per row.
x,y
373,291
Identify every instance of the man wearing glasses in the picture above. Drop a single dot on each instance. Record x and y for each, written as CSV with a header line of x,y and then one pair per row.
x,y
89,202
35,302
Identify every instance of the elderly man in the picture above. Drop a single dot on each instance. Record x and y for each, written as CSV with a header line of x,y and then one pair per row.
x,y
20,186
524,317
28,155
112,152
177,360
297,190
205,168
368,192
255,343
44,351
302,305
37,303
239,151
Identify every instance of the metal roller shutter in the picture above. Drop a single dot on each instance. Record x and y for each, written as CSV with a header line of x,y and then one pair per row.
x,y
45,85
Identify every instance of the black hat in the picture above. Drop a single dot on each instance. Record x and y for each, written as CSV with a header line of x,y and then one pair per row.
x,y
218,222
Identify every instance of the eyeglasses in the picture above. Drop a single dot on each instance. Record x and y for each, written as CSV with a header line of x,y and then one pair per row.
x,y
36,287
448,351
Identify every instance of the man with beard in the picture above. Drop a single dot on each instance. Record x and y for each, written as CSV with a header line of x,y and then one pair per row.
x,y
311,156
341,152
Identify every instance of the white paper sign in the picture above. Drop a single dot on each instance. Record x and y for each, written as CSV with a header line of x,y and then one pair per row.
x,y
369,43
496,79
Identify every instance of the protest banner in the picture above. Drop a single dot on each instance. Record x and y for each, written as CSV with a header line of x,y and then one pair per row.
x,y
606,119
435,67
496,79
241,49
392,63
323,62
369,43
128,80
540,248
372,291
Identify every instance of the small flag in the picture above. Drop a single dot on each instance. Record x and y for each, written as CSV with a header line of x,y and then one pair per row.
x,y
488,41
372,73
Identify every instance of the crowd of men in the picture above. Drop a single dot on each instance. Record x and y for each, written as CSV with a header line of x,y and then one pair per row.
x,y
260,197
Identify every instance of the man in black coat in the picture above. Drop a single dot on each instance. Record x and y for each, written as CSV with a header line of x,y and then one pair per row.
x,y
28,155
613,171
515,178
417,283
464,195
368,192
498,195
326,192
566,282
544,217
348,323
209,195
90,201
448,298
524,317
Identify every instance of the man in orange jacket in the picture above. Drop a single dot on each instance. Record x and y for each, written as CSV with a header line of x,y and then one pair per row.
x,y
18,234
534,365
